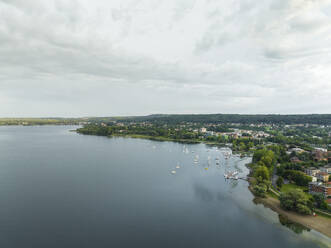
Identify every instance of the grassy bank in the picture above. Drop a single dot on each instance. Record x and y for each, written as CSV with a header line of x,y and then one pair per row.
x,y
288,187
319,223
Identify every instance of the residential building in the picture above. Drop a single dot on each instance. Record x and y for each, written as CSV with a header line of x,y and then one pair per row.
x,y
296,150
295,160
312,171
326,169
323,176
324,150
320,156
320,188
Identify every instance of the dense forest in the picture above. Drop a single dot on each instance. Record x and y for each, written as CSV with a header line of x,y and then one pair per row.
x,y
321,119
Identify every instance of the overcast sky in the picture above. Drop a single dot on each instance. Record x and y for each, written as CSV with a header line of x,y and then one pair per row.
x,y
118,57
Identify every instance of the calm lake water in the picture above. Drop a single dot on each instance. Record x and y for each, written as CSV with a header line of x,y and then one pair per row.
x,y
62,189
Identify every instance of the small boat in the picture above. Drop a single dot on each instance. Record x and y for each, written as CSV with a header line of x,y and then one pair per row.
x,y
173,172
206,168
177,167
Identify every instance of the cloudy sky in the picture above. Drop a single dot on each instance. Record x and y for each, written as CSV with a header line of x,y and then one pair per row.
x,y
135,57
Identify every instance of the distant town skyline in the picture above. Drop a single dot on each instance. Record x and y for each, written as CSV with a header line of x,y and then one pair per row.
x,y
129,57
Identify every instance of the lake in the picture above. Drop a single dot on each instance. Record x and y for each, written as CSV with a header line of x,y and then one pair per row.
x,y
62,189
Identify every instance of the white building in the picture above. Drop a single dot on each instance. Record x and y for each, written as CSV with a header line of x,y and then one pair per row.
x,y
312,171
326,169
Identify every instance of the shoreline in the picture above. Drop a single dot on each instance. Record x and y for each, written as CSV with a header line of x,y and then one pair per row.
x,y
318,223
164,139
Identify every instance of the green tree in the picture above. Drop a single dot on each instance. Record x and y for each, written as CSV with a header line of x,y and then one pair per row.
x,y
242,146
295,200
267,157
280,182
261,173
303,209
260,190
320,201
298,177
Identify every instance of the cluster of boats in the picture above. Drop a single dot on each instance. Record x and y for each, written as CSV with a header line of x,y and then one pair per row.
x,y
231,175
226,154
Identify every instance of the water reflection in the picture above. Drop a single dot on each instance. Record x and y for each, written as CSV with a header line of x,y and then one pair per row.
x,y
295,227
202,193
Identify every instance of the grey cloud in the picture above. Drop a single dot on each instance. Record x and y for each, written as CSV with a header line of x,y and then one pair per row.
x,y
140,57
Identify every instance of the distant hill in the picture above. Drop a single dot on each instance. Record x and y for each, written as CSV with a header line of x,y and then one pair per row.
x,y
321,119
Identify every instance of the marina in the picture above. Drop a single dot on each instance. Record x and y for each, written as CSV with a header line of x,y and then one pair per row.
x,y
221,156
